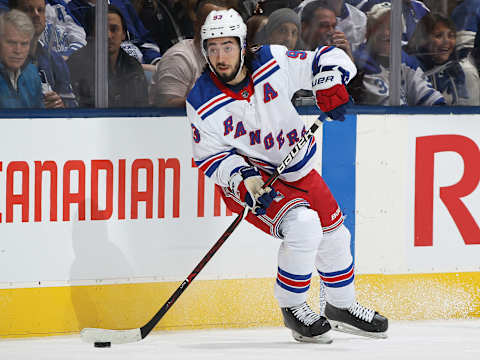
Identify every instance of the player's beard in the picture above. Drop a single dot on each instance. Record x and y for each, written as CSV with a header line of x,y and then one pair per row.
x,y
227,78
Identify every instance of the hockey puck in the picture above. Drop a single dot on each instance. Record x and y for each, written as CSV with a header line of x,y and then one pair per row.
x,y
102,344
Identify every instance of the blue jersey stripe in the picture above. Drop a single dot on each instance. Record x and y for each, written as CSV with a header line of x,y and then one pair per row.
x,y
425,97
215,108
200,162
215,165
266,75
304,161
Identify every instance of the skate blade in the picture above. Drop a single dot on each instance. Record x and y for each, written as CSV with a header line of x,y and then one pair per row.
x,y
319,339
345,328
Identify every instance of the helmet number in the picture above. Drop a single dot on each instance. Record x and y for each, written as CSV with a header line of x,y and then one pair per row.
x,y
217,17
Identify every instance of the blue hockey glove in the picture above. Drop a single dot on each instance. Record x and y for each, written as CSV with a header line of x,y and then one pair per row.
x,y
339,112
247,183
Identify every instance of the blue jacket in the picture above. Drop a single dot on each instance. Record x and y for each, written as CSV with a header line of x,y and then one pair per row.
x,y
56,73
29,89
412,11
137,33
466,17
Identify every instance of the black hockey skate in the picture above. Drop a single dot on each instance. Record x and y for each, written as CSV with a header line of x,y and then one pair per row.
x,y
357,320
306,325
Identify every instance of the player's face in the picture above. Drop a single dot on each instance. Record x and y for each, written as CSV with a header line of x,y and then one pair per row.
x,y
442,42
224,56
14,47
35,9
115,33
286,34
320,29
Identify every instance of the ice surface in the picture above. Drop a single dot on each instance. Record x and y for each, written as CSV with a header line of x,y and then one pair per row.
x,y
408,340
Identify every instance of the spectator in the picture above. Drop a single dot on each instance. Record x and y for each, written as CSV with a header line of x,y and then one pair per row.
x,y
158,17
433,43
127,85
282,28
20,85
372,61
412,12
318,27
137,42
62,32
350,20
182,64
254,25
53,70
466,17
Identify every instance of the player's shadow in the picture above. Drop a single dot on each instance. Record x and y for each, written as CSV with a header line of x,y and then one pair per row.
x,y
96,261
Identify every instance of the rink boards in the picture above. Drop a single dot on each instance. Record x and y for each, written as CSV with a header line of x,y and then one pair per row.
x,y
101,218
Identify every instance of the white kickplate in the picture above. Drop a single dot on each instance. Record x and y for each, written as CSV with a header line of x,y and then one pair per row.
x,y
92,335
342,327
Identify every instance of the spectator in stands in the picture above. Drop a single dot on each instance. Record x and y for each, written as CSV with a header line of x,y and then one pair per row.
x,y
350,20
53,70
433,43
127,85
282,28
62,32
182,64
254,25
159,19
466,17
20,85
412,12
318,27
373,59
137,42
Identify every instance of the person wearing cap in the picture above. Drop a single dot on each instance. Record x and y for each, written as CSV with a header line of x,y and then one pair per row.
x,y
243,127
373,62
282,28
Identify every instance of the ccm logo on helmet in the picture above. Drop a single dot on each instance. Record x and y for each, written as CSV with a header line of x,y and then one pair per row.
x,y
217,17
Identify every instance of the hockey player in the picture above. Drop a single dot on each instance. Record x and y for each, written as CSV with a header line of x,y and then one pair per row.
x,y
243,125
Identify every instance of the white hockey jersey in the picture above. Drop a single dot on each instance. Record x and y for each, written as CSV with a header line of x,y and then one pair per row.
x,y
259,122
62,32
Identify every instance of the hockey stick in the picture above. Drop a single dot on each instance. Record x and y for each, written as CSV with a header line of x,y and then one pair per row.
x,y
96,335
